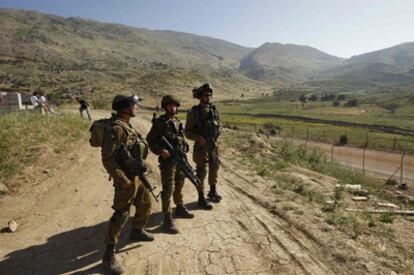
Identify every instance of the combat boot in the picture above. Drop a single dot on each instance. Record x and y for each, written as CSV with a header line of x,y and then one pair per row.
x,y
213,195
182,212
203,203
140,235
168,225
110,262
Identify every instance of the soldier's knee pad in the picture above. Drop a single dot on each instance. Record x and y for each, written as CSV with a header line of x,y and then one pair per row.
x,y
119,215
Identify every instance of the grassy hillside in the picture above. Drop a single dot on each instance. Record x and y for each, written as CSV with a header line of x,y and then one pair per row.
x,y
67,55
392,66
26,136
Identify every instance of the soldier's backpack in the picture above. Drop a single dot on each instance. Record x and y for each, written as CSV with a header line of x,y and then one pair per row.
x,y
98,130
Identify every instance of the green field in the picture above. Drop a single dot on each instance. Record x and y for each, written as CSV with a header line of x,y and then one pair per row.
x,y
370,110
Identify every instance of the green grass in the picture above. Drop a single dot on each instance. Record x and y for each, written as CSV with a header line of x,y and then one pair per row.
x,y
357,137
27,135
370,111
275,157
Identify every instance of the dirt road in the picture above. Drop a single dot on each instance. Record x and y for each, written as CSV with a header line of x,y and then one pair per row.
x,y
64,208
378,163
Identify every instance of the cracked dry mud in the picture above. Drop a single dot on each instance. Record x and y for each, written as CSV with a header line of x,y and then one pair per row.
x,y
63,218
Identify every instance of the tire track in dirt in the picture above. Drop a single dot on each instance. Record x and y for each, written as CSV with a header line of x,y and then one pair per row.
x,y
303,250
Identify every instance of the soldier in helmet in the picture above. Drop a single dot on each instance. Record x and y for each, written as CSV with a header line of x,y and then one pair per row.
x,y
169,126
203,126
128,189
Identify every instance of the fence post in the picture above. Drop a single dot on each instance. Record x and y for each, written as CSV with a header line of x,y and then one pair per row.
x,y
363,161
366,140
332,152
394,146
402,169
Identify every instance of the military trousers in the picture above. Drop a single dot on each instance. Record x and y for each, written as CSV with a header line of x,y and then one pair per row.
x,y
124,198
202,161
172,179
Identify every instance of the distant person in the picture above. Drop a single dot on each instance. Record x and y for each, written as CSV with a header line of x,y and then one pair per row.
x,y
84,106
35,102
45,105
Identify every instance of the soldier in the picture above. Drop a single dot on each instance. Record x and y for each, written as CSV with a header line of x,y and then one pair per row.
x,y
169,126
128,189
203,126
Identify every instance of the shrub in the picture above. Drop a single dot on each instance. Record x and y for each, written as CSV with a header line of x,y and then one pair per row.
x,y
343,139
352,103
386,218
341,97
313,98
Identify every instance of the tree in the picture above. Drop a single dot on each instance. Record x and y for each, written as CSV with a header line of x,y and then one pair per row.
x,y
313,98
327,97
341,97
302,99
352,103
391,107
336,103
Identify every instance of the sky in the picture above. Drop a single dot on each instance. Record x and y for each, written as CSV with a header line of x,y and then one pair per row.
x,y
339,27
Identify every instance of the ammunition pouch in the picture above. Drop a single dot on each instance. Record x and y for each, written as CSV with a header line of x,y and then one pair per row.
x,y
139,150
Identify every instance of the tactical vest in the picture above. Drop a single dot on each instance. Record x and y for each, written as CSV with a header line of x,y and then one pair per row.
x,y
173,130
207,123
135,143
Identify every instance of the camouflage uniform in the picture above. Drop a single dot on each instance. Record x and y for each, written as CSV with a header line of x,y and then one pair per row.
x,y
137,195
171,176
201,122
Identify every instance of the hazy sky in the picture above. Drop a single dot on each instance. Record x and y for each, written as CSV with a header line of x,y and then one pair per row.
x,y
339,27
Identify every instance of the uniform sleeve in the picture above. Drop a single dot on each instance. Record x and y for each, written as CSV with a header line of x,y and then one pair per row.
x,y
189,129
108,158
154,138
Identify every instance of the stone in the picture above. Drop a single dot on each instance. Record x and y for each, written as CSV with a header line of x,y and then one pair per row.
x,y
389,205
3,188
349,187
12,226
359,198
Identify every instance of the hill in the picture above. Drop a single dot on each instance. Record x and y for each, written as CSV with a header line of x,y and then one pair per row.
x,y
391,66
56,53
287,63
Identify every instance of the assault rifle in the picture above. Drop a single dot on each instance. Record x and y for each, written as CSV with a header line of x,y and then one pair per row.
x,y
134,167
180,159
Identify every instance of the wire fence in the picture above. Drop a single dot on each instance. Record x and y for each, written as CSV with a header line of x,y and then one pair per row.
x,y
333,135
386,156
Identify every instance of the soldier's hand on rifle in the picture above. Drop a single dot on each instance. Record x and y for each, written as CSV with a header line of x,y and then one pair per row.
x,y
201,141
165,154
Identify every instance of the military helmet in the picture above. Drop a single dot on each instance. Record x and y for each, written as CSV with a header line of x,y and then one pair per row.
x,y
123,101
168,99
198,92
